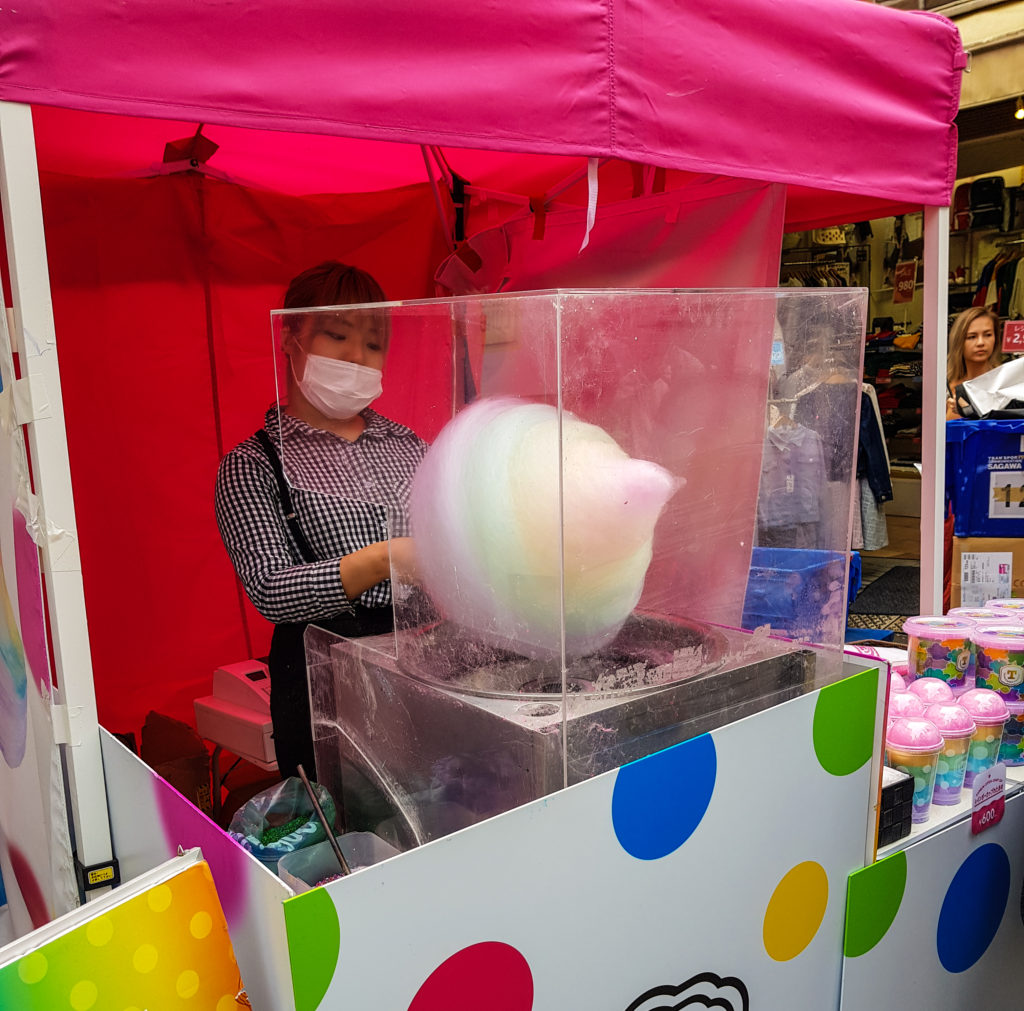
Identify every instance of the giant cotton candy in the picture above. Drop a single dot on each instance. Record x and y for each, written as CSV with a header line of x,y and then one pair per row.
x,y
490,534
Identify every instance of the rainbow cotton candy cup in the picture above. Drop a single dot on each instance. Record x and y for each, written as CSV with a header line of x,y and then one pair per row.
x,y
930,690
912,746
940,647
957,727
990,715
1000,660
1011,749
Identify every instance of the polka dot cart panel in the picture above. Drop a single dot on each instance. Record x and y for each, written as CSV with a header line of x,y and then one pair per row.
x,y
940,924
166,947
711,874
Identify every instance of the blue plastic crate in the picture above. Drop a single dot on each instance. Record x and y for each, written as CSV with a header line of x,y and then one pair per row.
x,y
985,477
794,590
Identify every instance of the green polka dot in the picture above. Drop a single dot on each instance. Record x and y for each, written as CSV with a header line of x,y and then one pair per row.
x,y
873,899
32,968
844,723
314,941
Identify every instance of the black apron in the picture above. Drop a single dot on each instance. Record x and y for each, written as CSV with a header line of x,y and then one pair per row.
x,y
289,685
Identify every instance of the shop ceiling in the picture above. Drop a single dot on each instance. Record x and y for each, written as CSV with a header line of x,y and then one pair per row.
x,y
991,139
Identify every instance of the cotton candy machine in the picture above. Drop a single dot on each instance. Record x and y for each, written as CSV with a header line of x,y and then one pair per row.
x,y
445,732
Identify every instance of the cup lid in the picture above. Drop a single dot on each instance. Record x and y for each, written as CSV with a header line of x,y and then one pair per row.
x,y
985,705
896,682
905,704
913,733
974,613
1011,603
929,690
950,719
1000,636
937,627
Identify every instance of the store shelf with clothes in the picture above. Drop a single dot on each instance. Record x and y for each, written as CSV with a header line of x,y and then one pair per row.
x,y
893,366
1001,281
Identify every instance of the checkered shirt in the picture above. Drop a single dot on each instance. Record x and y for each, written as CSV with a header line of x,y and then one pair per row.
x,y
346,495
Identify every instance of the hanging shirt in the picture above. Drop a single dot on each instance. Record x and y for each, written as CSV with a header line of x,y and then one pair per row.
x,y
792,472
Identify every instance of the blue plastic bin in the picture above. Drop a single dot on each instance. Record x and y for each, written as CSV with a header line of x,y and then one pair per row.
x,y
794,590
985,477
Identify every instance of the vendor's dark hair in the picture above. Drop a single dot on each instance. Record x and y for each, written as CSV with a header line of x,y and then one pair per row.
x,y
332,283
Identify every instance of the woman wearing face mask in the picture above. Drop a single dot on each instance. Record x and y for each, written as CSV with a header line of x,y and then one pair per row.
x,y
315,548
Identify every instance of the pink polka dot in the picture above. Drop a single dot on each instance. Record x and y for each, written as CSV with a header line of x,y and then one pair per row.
x,y
487,975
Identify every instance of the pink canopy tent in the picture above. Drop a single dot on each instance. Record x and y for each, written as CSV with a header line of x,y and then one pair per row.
x,y
351,131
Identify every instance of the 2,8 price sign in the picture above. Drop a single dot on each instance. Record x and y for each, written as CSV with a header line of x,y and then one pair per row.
x,y
989,802
1013,337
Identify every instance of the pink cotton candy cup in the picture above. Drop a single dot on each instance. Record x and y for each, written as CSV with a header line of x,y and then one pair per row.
x,y
1000,660
940,647
990,715
1006,603
957,726
1011,748
896,682
930,690
913,745
904,704
976,614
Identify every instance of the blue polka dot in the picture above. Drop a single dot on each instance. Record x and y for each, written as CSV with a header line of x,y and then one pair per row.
x,y
973,907
659,801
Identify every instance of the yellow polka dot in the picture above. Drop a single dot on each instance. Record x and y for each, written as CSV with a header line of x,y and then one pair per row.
x,y
200,925
32,968
795,911
144,958
83,995
159,898
99,931
187,983
227,1003
132,1008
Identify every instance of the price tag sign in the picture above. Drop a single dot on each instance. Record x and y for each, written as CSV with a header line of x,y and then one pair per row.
x,y
1013,337
989,802
903,281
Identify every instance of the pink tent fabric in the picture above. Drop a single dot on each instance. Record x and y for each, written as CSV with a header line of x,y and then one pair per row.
x,y
849,97
162,285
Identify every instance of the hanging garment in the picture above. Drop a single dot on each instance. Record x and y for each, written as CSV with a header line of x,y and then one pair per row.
x,y
792,474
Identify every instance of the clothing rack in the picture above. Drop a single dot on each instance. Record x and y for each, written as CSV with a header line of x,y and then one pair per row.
x,y
1010,242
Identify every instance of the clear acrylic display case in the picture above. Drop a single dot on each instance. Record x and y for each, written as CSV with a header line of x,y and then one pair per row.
x,y
632,526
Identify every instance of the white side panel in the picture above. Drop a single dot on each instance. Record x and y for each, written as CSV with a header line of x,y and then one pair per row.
x,y
35,339
933,405
150,820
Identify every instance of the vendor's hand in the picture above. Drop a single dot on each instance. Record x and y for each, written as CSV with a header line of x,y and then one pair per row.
x,y
952,414
404,567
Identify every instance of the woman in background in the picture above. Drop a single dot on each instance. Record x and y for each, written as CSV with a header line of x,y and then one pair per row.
x,y
973,351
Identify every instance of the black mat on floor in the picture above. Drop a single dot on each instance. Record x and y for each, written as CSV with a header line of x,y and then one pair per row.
x,y
896,592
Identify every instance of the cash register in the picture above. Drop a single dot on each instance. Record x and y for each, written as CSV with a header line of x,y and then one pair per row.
x,y
236,717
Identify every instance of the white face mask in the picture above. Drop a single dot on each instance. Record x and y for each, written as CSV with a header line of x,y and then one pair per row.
x,y
338,390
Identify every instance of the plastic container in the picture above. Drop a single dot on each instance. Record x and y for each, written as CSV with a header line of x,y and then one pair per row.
x,y
976,614
788,587
1000,660
941,648
957,727
930,690
896,682
912,746
302,869
990,716
904,704
1007,603
1011,749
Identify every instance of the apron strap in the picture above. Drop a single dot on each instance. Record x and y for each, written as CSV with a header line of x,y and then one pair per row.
x,y
286,496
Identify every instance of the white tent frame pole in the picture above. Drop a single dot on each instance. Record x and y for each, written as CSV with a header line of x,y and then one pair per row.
x,y
35,338
933,405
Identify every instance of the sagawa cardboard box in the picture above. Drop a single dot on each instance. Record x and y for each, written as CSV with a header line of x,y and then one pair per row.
x,y
985,568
